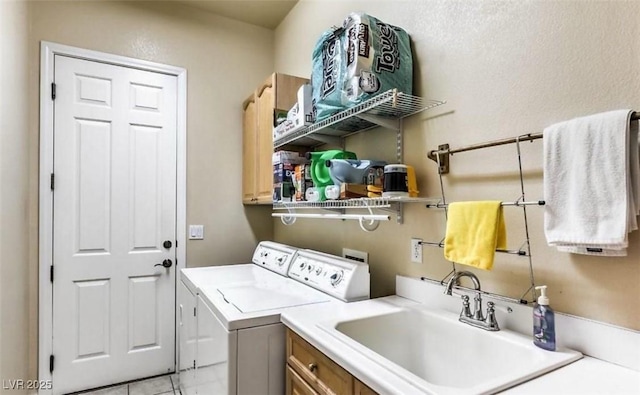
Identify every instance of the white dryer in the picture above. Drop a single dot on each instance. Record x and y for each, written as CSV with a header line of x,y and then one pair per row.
x,y
231,338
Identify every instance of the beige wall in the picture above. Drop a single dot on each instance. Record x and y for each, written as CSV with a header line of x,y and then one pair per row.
x,y
14,189
505,68
224,59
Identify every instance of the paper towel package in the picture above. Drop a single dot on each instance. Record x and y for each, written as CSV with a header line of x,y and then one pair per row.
x,y
378,58
299,116
356,62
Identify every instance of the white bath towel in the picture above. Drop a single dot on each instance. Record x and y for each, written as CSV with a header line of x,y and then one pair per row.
x,y
591,178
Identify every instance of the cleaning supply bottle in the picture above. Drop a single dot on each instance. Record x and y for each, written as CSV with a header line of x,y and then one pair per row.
x,y
544,327
320,172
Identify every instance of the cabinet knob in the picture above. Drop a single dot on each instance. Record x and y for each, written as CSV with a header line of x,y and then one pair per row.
x,y
312,367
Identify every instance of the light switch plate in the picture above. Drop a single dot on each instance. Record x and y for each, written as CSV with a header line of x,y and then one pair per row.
x,y
196,232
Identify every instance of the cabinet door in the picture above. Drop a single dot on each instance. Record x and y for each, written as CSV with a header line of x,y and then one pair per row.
x,y
321,373
249,150
265,101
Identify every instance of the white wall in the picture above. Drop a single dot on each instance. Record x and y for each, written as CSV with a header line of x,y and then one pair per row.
x,y
14,214
505,68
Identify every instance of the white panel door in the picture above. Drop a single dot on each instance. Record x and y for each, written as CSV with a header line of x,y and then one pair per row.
x,y
114,207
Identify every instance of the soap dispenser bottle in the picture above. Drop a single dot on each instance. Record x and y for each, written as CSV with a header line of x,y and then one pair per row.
x,y
544,328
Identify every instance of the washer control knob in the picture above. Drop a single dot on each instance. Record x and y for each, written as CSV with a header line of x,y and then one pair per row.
x,y
318,271
310,268
280,261
336,278
302,265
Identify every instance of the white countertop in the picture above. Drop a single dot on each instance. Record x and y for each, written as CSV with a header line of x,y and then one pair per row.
x,y
586,376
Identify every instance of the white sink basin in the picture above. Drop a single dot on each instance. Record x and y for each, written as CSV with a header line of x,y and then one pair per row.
x,y
440,355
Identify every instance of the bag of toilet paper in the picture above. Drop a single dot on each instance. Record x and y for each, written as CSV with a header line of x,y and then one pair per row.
x,y
378,58
328,73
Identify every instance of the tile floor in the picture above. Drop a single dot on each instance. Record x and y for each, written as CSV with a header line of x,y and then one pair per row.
x,y
163,385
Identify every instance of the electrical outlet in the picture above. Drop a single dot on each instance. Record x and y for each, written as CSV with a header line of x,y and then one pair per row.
x,y
416,250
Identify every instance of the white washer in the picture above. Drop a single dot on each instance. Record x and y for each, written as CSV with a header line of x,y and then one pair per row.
x,y
231,338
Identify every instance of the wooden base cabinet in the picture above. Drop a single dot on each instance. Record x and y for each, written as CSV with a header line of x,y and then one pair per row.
x,y
278,93
310,372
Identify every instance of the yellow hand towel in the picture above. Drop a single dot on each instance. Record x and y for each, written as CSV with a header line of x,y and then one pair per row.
x,y
474,231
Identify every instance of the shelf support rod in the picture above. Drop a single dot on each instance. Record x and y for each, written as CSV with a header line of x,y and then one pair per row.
x,y
400,159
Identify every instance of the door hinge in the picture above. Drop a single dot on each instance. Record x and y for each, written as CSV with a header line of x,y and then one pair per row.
x,y
51,273
51,358
53,91
194,311
194,363
53,181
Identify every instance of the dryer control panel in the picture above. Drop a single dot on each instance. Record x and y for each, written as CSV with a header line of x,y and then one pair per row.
x,y
339,277
274,256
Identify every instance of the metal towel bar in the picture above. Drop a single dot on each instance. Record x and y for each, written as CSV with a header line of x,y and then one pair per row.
x,y
441,155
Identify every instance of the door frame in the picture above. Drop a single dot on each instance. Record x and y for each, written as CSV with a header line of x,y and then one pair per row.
x,y
48,50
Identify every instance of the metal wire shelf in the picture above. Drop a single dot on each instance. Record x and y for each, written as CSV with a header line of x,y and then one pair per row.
x,y
368,220
365,203
390,105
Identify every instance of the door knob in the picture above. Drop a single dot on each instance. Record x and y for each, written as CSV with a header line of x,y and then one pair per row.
x,y
166,263
167,244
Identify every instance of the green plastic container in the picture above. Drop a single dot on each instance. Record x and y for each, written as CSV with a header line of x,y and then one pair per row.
x,y
320,172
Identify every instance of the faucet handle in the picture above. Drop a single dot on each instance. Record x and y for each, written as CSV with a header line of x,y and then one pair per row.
x,y
477,307
490,321
466,310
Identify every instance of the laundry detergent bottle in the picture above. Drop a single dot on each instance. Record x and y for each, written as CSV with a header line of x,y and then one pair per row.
x,y
544,326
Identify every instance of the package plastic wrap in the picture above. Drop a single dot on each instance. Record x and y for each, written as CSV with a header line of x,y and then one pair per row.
x,y
378,58
328,74
358,61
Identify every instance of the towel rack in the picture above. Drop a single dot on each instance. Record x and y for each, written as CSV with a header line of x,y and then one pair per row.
x,y
517,203
441,155
525,248
440,244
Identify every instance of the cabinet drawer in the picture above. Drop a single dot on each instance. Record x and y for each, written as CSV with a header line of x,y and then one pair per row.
x,y
322,374
297,386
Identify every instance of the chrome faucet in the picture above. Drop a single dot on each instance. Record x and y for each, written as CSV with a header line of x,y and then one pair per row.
x,y
474,318
455,280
